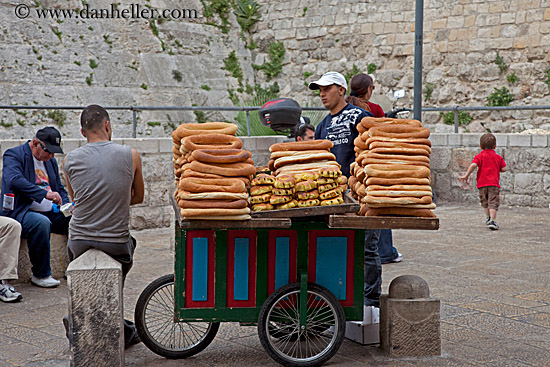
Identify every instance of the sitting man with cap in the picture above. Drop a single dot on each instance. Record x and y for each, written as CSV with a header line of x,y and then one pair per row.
x,y
30,178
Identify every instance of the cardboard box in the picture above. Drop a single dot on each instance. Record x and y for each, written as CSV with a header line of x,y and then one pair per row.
x,y
366,331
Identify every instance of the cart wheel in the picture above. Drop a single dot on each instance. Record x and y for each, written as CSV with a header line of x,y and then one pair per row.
x,y
279,326
154,317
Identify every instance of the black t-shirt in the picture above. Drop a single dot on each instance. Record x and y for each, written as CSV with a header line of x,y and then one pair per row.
x,y
341,129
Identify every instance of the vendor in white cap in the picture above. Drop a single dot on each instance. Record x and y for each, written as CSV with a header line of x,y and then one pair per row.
x,y
340,127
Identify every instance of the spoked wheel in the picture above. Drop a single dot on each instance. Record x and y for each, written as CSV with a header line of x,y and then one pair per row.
x,y
154,317
314,343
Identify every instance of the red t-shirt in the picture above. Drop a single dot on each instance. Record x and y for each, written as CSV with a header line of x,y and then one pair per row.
x,y
488,168
376,110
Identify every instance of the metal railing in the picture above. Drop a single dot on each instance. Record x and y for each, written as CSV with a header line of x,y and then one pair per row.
x,y
247,110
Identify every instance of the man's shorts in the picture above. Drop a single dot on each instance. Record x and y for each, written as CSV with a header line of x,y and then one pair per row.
x,y
489,197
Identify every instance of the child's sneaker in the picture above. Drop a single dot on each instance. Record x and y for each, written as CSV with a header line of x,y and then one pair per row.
x,y
493,225
488,220
9,294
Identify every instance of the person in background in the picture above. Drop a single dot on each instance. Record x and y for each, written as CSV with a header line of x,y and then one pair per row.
x,y
362,86
340,127
489,165
304,131
104,179
10,238
30,186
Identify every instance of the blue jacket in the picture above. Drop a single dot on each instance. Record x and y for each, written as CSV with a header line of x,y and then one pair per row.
x,y
18,178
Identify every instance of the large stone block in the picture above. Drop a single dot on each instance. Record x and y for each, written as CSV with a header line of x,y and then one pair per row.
x,y
95,310
440,158
527,183
58,258
409,319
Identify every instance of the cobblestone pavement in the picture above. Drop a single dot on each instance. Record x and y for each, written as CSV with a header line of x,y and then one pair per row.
x,y
493,287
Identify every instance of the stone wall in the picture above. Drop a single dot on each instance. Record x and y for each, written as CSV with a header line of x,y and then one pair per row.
x,y
48,62
527,182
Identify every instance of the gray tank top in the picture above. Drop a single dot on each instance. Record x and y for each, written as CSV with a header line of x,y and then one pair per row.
x,y
101,176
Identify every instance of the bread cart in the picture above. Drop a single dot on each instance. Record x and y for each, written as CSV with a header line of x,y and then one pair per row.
x,y
296,273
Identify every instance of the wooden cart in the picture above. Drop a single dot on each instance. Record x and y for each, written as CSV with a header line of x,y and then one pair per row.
x,y
297,273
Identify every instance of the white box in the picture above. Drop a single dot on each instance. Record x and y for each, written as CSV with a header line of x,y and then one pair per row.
x,y
366,331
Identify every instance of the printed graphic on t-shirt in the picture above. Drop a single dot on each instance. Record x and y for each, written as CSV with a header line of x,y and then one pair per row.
x,y
339,130
42,179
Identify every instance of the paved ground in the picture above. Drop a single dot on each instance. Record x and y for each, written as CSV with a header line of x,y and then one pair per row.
x,y
493,287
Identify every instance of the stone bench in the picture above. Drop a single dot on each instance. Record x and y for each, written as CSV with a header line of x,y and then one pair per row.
x,y
58,258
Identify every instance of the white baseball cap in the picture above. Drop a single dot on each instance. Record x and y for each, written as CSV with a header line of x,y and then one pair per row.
x,y
332,77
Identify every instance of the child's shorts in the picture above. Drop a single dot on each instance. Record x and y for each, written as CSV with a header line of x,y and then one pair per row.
x,y
489,197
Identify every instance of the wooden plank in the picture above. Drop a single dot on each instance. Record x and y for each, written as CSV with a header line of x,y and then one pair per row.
x,y
361,222
253,223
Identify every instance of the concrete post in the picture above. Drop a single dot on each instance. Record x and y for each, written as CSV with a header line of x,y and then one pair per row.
x,y
94,280
409,319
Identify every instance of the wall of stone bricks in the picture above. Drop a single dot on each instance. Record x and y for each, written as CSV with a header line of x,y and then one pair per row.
x,y
527,182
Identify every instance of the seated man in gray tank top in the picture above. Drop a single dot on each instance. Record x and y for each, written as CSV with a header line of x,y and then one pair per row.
x,y
103,179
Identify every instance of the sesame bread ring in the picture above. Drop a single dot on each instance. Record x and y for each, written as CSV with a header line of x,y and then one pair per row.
x,y
413,206
334,201
397,181
393,161
330,194
186,213
280,199
419,141
263,179
399,131
307,203
393,211
401,151
304,158
211,141
287,153
187,172
360,143
368,122
415,158
398,145
229,169
318,144
289,205
221,155
262,206
185,195
189,129
397,171
305,195
305,185
399,193
195,184
396,200
221,217
257,199
279,191
260,189
284,181
212,203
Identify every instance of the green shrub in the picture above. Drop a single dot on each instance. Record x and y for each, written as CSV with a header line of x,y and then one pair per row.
x,y
500,63
464,118
177,75
58,116
247,13
547,75
512,78
371,68
500,97
428,90
231,64
276,55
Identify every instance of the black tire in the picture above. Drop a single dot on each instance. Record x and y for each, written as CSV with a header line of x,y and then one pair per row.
x,y
154,317
281,335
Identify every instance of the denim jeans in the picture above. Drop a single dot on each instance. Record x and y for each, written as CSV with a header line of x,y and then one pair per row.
x,y
36,228
387,252
373,269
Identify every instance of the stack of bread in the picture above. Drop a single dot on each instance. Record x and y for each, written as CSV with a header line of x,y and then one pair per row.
x,y
212,172
391,172
261,191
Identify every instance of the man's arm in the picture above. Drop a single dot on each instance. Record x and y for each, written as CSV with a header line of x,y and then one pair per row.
x,y
68,182
58,185
137,185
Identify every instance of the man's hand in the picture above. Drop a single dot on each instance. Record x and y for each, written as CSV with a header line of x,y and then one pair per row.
x,y
54,197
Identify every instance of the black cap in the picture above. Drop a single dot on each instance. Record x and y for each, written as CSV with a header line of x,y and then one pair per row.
x,y
51,138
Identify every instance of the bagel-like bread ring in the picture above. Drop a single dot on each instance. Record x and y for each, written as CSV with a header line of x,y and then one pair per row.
x,y
271,165
185,195
369,199
413,206
399,131
362,210
187,172
211,203
351,182
262,206
284,182
393,161
305,158
408,212
397,181
334,201
401,151
329,194
186,213
222,217
221,155
291,204
189,129
195,184
398,145
399,193
280,199
400,187
305,195
361,189
318,144
360,143
229,169
305,186
211,141
327,187
361,128
415,158
308,203
419,141
263,198
288,153
397,171
284,192
368,122
263,179
260,189
361,175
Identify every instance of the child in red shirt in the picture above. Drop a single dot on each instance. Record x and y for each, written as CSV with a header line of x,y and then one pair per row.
x,y
489,166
